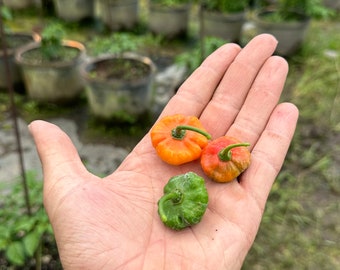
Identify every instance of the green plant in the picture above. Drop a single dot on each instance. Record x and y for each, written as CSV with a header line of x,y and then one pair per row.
x,y
227,6
6,15
21,233
287,10
117,43
51,41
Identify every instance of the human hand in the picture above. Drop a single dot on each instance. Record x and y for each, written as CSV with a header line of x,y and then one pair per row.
x,y
112,223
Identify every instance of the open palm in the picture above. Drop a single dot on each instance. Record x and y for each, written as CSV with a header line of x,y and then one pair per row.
x,y
112,223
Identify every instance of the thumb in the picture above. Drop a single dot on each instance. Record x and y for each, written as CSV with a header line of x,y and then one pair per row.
x,y
63,169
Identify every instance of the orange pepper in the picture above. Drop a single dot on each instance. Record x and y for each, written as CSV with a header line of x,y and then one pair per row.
x,y
179,139
225,158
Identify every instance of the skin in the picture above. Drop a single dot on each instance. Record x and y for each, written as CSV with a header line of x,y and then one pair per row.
x,y
112,223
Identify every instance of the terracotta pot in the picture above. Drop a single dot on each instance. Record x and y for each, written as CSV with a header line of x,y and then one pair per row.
x,y
55,81
223,25
170,22
290,34
74,10
112,97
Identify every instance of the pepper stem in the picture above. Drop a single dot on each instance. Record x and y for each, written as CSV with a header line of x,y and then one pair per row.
x,y
179,132
225,153
175,196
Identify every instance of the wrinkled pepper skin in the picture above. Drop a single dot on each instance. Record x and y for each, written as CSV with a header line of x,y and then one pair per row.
x,y
184,201
224,170
177,151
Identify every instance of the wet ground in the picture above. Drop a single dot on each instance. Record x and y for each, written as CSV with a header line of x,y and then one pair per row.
x,y
101,155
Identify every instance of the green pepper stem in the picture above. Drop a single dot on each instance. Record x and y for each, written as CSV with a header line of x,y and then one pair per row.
x,y
175,196
179,132
225,154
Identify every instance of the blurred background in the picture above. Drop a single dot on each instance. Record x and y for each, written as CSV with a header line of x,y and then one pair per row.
x,y
103,70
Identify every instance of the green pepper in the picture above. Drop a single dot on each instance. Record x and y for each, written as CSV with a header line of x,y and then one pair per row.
x,y
184,201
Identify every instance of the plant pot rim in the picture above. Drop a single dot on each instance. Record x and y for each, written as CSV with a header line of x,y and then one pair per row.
x,y
34,45
223,16
263,12
84,68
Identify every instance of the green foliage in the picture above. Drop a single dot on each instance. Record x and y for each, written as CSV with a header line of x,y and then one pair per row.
x,y
312,8
293,9
118,43
6,16
20,234
51,41
225,5
6,13
321,78
193,58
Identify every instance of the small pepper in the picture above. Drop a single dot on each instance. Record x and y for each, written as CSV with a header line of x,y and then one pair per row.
x,y
179,139
184,202
225,158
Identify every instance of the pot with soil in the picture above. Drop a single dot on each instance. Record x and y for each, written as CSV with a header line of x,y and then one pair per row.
x,y
119,87
50,68
13,42
52,81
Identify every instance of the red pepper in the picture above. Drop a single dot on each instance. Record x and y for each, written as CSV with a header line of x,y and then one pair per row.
x,y
179,139
225,158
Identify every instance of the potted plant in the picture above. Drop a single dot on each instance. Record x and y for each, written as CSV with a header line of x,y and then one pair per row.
x,y
169,18
51,67
223,18
12,41
74,10
288,21
118,83
117,14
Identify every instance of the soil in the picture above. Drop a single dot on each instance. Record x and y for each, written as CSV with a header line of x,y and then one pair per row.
x,y
36,56
122,69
